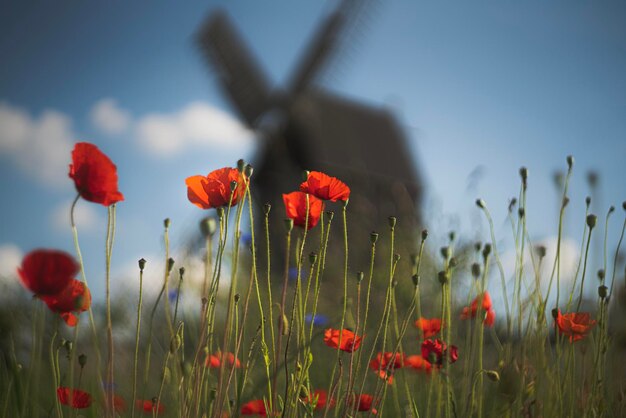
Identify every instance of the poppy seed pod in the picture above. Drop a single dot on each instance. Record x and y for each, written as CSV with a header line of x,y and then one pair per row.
x,y
220,212
603,291
445,252
601,274
181,272
142,263
240,165
170,264
555,313
453,263
486,251
233,186
392,221
477,246
166,223
588,201
523,172
570,161
591,220
521,212
444,277
236,297
611,209
267,208
424,234
82,360
373,237
416,280
451,236
541,251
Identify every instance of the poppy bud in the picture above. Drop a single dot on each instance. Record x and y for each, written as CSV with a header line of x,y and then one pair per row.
x,y
486,251
603,291
611,209
373,237
523,172
359,277
240,165
208,226
305,175
591,220
166,223
521,212
266,208
453,263
396,257
555,313
492,375
142,264
82,360
624,205
155,400
248,170
392,222
587,201
181,272
445,252
416,280
170,264
312,257
480,203
601,274
330,214
570,161
288,224
477,246
175,343
233,186
592,179
451,235
476,270
541,251
565,202
512,204
443,277
424,234
285,324
236,297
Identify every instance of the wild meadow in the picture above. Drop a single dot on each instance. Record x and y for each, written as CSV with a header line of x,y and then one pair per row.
x,y
287,324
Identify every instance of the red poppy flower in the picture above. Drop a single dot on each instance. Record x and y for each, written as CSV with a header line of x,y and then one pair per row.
x,y
295,205
435,351
385,363
255,407
487,307
214,361
418,362
76,297
349,341
322,398
47,272
575,325
77,398
150,406
430,327
325,187
364,403
213,190
94,175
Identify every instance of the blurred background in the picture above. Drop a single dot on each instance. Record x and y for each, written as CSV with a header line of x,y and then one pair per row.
x,y
478,90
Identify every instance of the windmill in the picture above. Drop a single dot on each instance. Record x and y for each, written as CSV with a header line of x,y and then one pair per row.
x,y
303,126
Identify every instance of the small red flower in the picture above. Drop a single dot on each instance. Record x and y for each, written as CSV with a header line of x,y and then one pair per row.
x,y
47,272
418,362
385,363
435,350
487,307
76,297
325,187
349,341
321,397
94,175
150,406
430,327
255,407
364,403
575,325
75,398
214,361
296,204
214,190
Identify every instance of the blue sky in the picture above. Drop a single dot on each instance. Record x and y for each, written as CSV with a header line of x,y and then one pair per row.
x,y
480,88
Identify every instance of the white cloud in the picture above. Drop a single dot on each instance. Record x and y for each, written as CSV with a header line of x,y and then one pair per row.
x,y
107,116
196,125
10,259
39,146
85,216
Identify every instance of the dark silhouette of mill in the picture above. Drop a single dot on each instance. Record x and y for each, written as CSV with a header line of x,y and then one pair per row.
x,y
303,126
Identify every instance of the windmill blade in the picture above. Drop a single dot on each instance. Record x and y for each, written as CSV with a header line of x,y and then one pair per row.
x,y
325,45
240,74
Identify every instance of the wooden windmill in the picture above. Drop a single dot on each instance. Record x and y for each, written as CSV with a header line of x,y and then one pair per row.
x,y
303,126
